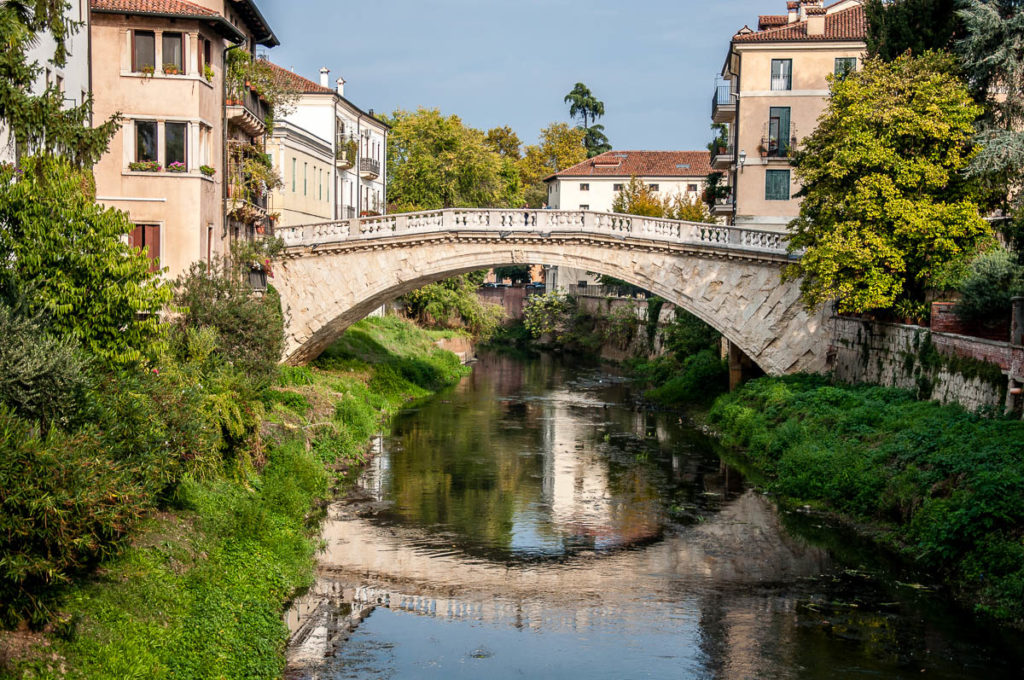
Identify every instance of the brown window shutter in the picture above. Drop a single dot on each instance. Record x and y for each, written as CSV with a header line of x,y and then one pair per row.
x,y
135,66
153,242
135,238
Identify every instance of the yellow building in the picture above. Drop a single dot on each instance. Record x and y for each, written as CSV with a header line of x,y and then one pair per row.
x,y
773,91
161,64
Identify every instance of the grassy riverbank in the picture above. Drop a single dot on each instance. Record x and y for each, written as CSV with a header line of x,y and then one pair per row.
x,y
941,486
200,588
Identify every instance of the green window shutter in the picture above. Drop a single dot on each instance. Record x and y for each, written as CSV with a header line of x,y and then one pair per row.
x,y
782,113
776,185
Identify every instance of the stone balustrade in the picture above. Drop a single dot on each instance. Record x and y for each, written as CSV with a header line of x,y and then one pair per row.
x,y
542,222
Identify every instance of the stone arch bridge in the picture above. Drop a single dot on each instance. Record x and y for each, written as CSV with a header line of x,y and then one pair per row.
x,y
333,274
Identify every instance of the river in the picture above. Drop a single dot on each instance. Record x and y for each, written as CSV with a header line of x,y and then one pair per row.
x,y
532,523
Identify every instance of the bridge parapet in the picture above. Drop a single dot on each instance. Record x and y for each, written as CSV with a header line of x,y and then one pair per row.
x,y
542,222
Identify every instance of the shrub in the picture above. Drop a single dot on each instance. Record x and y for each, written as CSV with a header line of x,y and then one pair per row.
x,y
250,328
994,278
700,379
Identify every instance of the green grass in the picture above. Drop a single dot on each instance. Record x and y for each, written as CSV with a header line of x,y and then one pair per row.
x,y
942,486
201,591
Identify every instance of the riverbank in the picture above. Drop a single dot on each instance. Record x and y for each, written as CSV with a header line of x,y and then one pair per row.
x,y
200,589
938,485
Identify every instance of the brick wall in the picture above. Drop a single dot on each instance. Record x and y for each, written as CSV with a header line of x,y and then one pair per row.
x,y
890,354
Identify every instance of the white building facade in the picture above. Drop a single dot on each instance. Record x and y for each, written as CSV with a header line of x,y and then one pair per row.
x,y
73,78
332,153
594,184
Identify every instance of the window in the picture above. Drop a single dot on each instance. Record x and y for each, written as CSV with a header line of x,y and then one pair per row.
x,y
617,187
294,163
692,188
147,236
584,207
845,66
320,184
654,187
145,140
174,50
305,179
143,50
175,136
584,187
776,185
778,141
60,84
782,74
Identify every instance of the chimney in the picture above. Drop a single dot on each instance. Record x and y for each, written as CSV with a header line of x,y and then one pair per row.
x,y
815,21
324,81
341,87
793,6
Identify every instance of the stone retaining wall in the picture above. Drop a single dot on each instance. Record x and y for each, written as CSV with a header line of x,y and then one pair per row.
x,y
945,367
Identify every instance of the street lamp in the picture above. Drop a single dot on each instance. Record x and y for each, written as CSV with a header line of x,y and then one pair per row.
x,y
743,158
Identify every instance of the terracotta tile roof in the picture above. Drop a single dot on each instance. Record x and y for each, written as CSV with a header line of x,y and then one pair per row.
x,y
846,24
293,82
641,164
168,7
769,20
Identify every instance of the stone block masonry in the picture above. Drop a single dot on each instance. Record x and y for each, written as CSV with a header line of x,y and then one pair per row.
x,y
945,367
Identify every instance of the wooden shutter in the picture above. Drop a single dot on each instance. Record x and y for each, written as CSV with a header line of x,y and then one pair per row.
x,y
153,243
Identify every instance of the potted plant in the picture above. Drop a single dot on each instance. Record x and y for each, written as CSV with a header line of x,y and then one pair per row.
x,y
148,70
145,166
177,166
208,170
171,69
762,149
208,72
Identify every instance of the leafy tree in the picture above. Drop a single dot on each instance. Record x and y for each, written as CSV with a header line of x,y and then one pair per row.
x,y
896,26
992,59
40,123
885,214
504,141
636,198
588,108
584,105
517,273
561,146
435,161
985,292
64,255
453,302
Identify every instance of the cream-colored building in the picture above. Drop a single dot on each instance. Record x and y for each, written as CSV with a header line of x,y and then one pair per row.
x,y
774,89
161,64
332,153
594,184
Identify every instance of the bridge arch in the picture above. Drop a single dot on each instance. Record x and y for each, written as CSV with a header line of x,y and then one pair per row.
x,y
333,275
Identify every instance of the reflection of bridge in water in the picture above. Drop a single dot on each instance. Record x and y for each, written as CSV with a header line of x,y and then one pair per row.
x,y
333,274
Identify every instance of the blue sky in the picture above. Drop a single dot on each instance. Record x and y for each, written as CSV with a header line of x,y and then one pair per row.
x,y
652,62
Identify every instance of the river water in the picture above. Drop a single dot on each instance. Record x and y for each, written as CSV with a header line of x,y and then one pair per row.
x,y
532,523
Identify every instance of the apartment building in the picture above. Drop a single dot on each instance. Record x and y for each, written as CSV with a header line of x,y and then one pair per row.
x,y
774,87
73,78
176,164
594,183
333,154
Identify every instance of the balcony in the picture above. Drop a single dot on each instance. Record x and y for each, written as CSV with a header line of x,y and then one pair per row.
x,y
773,147
723,158
724,205
369,168
247,111
345,154
723,104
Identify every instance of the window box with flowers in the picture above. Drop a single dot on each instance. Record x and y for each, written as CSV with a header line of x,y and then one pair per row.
x,y
145,166
148,70
177,166
172,69
208,170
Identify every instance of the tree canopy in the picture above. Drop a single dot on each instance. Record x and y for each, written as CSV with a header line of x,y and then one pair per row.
x,y
434,161
588,108
895,26
886,214
637,198
561,146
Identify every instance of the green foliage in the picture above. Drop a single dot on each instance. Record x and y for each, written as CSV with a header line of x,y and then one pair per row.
x,y
250,328
435,161
42,379
548,313
588,108
886,215
561,146
63,254
516,273
41,123
916,25
721,139
453,303
715,188
505,142
698,379
945,485
690,371
993,279
637,198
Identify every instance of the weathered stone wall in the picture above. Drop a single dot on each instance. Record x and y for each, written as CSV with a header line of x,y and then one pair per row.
x,y
511,299
941,366
641,344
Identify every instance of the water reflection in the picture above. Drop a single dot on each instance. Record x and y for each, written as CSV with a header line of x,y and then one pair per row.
x,y
531,523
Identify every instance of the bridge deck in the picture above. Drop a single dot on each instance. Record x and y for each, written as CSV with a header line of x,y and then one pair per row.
x,y
542,222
